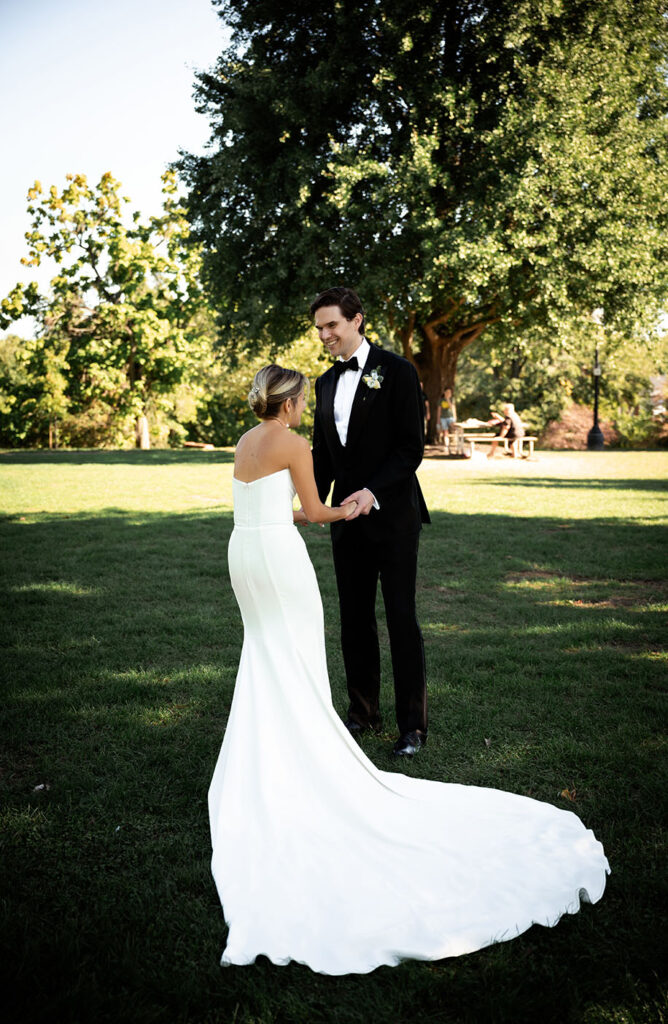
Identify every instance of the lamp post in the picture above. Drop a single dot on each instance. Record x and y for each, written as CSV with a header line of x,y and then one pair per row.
x,y
595,441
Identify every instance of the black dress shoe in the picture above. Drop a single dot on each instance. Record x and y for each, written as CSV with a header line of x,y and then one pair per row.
x,y
356,728
409,744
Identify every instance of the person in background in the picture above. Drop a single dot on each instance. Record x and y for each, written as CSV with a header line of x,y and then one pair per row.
x,y
512,429
448,416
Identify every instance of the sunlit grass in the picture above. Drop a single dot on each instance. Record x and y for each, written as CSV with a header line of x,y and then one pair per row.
x,y
543,600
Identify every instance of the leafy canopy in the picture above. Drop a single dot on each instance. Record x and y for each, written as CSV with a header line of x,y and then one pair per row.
x,y
467,166
119,327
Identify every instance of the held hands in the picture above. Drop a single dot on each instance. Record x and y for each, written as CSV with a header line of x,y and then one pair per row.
x,y
363,500
359,503
300,518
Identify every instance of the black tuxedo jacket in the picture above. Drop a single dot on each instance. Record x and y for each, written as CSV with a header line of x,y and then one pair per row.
x,y
384,446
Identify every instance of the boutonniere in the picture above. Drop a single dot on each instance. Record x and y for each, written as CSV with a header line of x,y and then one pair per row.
x,y
374,379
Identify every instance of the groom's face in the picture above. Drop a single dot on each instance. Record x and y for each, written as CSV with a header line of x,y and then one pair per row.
x,y
340,337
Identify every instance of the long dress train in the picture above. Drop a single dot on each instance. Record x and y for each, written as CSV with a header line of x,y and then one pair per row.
x,y
321,858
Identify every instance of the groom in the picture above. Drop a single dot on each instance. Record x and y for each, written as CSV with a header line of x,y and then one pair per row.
x,y
368,438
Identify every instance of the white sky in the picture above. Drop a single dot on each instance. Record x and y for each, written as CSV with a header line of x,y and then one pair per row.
x,y
88,86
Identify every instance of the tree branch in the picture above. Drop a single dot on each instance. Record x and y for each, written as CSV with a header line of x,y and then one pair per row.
x,y
114,299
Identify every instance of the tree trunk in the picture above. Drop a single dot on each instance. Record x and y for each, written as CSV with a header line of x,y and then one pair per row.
x,y
142,437
437,372
436,362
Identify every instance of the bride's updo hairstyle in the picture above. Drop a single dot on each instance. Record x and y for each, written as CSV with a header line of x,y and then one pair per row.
x,y
272,385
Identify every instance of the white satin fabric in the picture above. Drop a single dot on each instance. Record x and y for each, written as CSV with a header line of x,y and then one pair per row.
x,y
321,858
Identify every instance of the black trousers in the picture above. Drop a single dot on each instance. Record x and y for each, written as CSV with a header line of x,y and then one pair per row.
x,y
360,560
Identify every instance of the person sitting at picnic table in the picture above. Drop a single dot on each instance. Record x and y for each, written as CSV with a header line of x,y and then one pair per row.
x,y
512,429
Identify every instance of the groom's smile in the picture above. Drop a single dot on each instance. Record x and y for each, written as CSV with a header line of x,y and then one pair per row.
x,y
341,337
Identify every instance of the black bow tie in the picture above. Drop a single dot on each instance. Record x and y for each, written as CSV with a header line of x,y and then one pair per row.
x,y
341,367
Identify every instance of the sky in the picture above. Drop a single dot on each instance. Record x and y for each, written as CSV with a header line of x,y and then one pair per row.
x,y
89,86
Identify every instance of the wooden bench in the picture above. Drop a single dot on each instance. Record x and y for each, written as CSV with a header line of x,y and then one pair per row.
x,y
481,438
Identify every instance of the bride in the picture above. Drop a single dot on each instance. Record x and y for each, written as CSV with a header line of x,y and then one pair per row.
x,y
319,857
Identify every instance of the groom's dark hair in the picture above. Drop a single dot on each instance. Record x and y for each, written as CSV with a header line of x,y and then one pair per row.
x,y
346,299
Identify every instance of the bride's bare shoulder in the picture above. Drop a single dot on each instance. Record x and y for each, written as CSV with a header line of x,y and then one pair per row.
x,y
297,445
247,438
260,452
286,447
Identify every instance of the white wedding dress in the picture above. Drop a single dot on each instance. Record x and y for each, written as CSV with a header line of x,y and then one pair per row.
x,y
321,858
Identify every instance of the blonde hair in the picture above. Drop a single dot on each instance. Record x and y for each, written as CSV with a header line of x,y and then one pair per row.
x,y
272,385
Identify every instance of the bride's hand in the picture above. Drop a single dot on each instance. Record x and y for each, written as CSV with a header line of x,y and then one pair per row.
x,y
349,508
299,517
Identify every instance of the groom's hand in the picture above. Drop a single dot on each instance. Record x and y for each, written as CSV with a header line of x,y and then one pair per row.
x,y
365,502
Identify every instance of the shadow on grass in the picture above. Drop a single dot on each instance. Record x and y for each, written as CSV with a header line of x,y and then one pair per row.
x,y
121,642
128,457
615,484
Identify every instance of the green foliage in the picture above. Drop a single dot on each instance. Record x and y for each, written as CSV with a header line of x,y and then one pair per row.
x,y
118,332
468,167
224,413
539,379
637,427
12,381
544,376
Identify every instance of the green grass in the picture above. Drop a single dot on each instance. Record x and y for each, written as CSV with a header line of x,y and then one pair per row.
x,y
543,600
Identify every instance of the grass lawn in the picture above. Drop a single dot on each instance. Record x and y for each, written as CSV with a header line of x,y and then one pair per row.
x,y
543,601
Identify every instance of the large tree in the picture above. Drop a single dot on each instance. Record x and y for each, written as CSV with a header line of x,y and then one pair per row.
x,y
119,327
468,166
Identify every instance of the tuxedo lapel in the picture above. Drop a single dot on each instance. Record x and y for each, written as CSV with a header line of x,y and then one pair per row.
x,y
327,399
365,396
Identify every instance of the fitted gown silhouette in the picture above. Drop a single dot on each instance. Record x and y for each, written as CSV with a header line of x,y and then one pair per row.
x,y
319,857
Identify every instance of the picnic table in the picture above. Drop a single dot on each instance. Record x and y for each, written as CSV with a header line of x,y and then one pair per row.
x,y
473,432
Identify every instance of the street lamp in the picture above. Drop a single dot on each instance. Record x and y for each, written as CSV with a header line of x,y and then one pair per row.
x,y
595,441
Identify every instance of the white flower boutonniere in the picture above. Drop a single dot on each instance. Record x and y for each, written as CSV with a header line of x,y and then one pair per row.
x,y
373,379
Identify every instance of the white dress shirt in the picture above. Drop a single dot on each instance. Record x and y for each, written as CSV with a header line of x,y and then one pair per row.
x,y
346,386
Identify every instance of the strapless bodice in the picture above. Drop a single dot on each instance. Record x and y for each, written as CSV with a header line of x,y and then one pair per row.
x,y
266,501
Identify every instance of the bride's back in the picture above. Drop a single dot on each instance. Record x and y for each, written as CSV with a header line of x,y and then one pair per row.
x,y
263,450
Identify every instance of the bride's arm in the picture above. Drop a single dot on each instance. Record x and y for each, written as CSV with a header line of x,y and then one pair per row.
x,y
301,468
